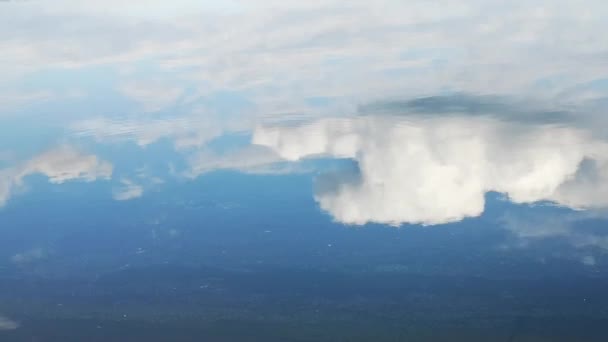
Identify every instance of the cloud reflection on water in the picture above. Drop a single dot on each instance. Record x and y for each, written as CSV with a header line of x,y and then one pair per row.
x,y
293,74
59,165
437,169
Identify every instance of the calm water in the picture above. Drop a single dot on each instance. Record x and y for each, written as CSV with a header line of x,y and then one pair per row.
x,y
291,171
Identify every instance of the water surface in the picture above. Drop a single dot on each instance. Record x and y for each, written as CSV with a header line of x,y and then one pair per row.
x,y
288,171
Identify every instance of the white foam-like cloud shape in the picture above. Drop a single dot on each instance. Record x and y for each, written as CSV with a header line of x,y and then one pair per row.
x,y
60,165
433,170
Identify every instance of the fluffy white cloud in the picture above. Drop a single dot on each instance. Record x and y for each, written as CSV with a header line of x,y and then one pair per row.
x,y
59,165
437,169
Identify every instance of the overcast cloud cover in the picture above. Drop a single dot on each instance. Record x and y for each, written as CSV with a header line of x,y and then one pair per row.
x,y
284,52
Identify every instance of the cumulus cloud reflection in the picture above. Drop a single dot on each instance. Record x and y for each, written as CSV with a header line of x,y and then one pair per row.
x,y
428,170
59,165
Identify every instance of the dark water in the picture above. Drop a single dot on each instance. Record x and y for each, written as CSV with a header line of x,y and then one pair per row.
x,y
253,277
182,304
181,265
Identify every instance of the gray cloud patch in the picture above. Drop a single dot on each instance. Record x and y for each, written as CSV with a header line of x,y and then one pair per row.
x,y
7,323
473,105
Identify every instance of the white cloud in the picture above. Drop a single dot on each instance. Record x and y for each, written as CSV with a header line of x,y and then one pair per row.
x,y
7,323
128,190
437,169
59,165
66,163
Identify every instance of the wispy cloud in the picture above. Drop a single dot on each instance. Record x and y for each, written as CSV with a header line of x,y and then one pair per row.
x,y
128,190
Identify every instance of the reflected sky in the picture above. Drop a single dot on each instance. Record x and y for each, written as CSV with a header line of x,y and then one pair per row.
x,y
332,135
399,113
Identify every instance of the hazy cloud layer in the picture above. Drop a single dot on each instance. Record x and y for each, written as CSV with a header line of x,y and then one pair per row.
x,y
152,95
284,53
192,131
437,169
